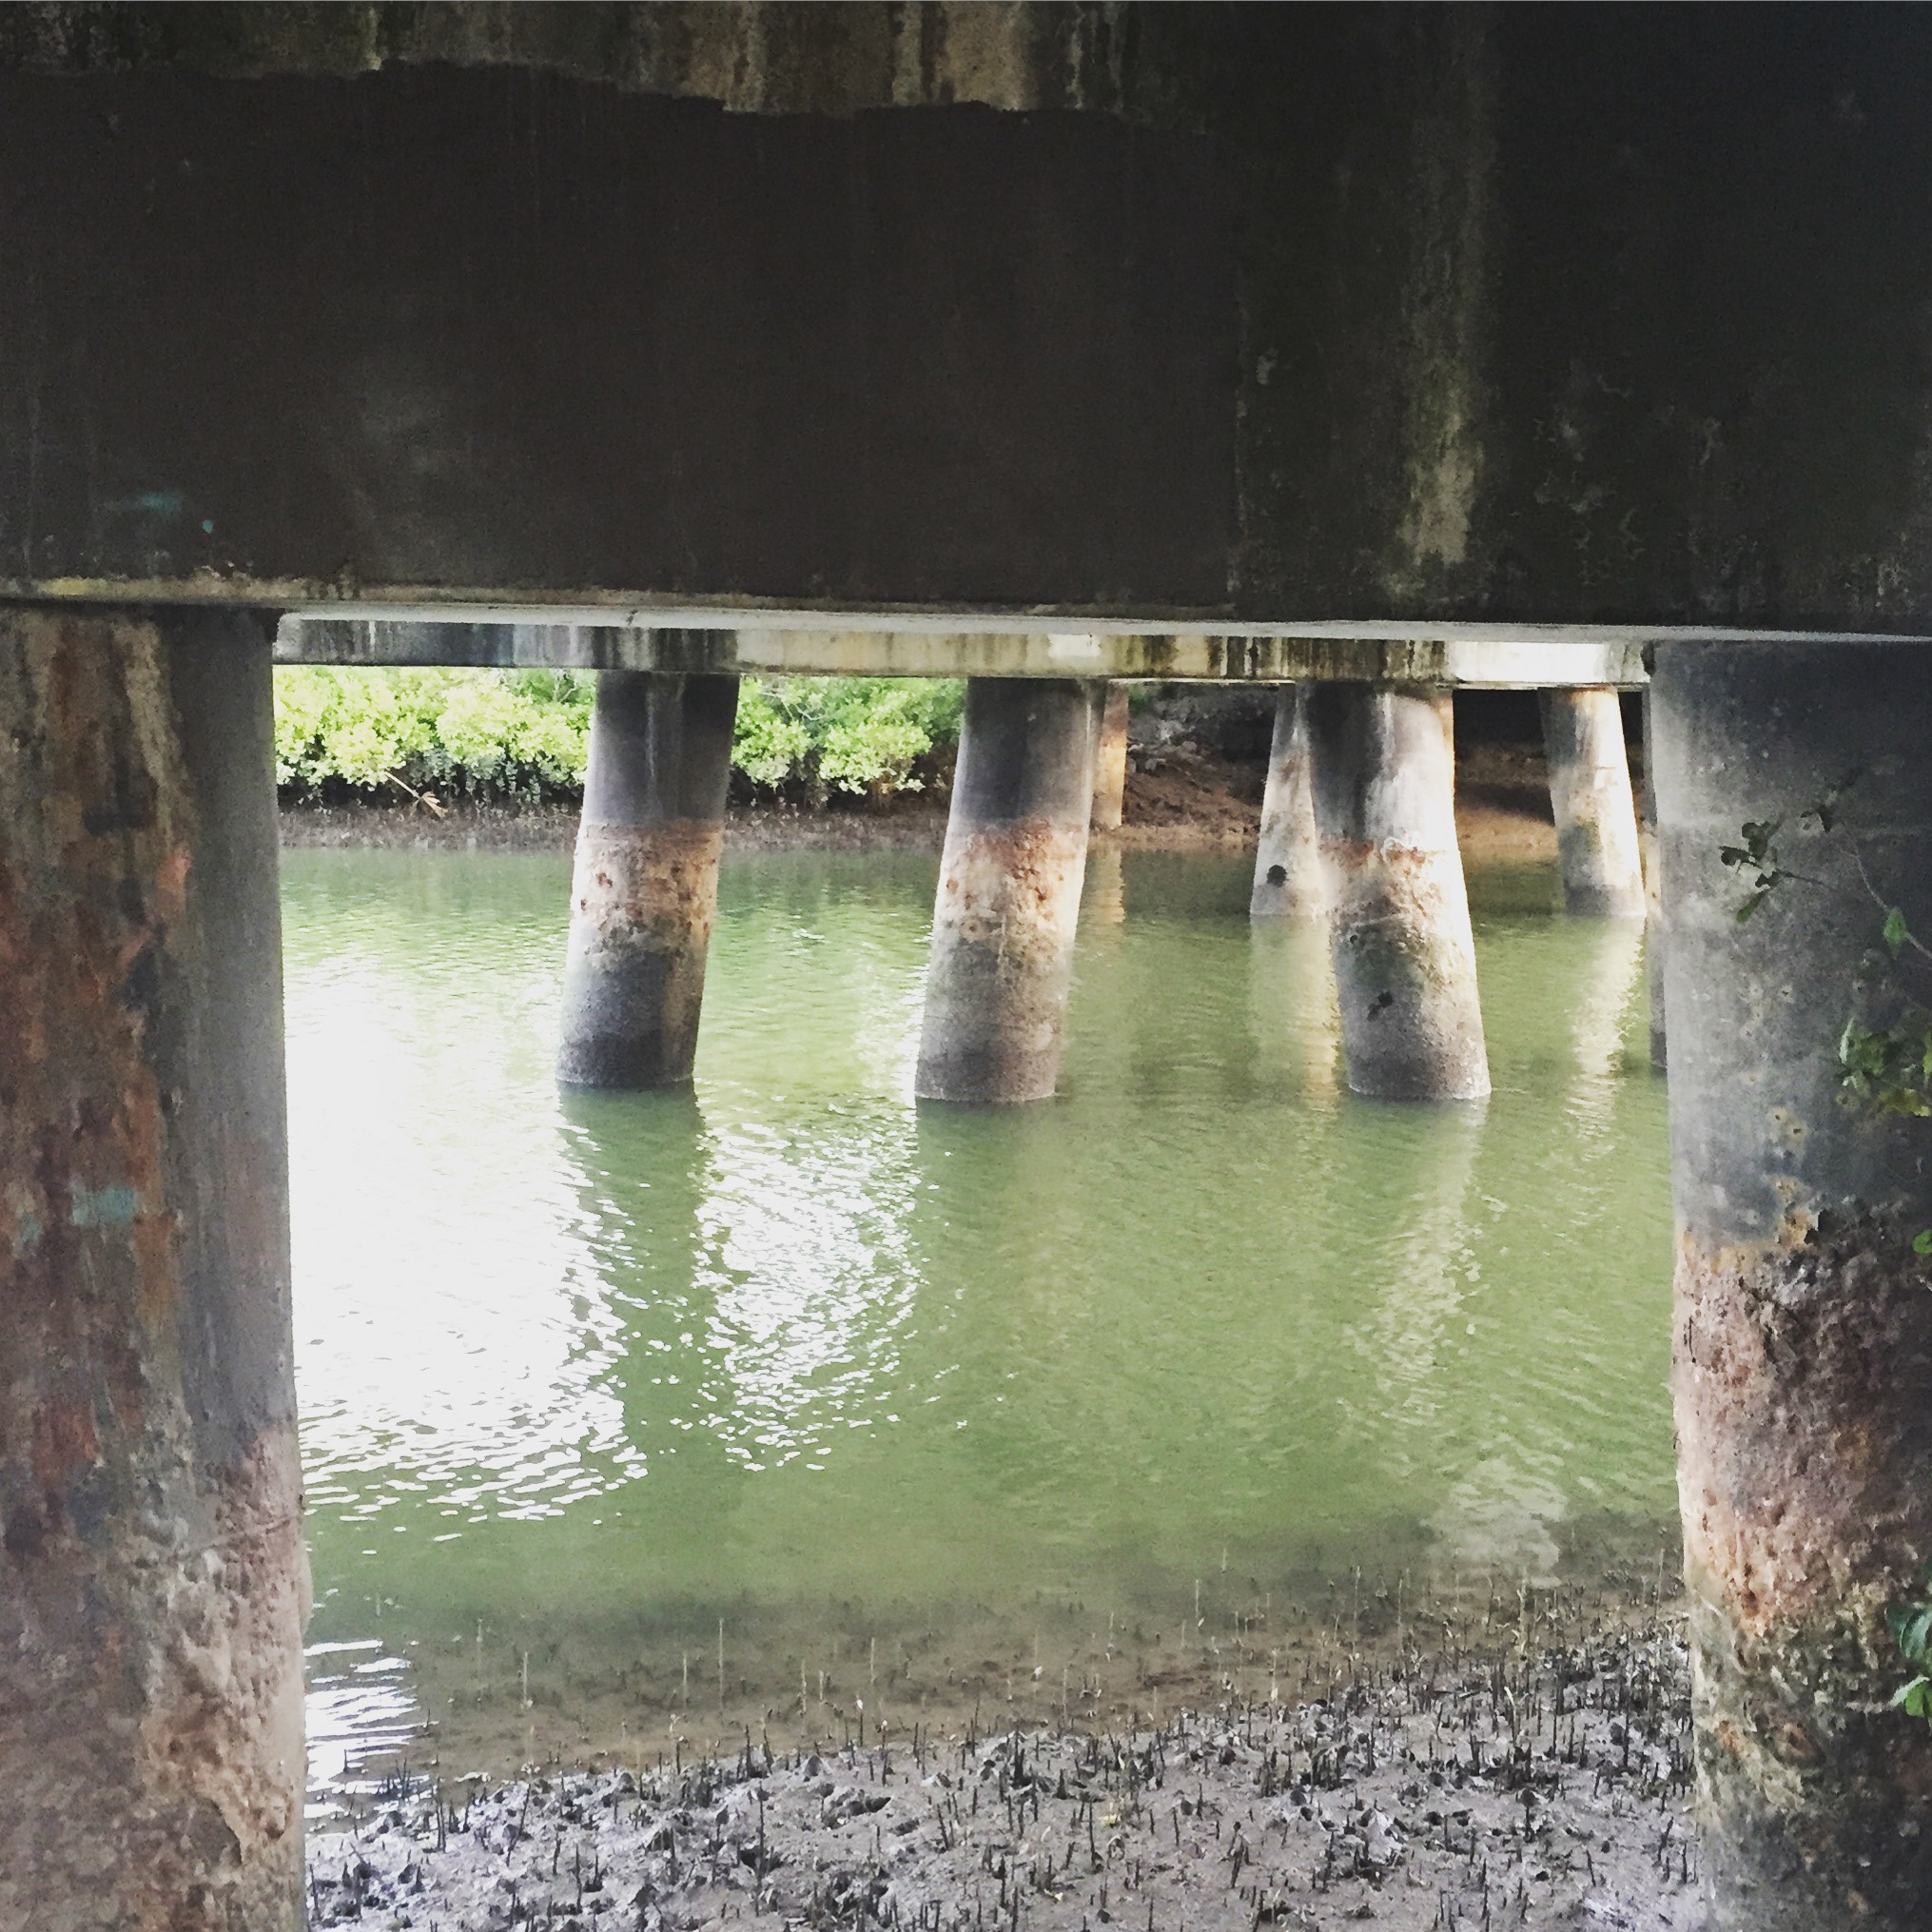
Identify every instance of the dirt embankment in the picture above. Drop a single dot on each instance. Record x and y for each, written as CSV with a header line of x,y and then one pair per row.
x,y
1182,796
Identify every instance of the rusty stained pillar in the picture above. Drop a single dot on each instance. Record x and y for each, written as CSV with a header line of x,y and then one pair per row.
x,y
1290,880
1008,899
1404,956
1653,891
153,1582
1802,1322
1110,761
1590,794
644,889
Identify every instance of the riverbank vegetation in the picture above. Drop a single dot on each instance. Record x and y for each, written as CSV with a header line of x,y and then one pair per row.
x,y
521,736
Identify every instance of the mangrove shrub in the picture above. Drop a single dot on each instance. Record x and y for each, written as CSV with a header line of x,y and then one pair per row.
x,y
510,735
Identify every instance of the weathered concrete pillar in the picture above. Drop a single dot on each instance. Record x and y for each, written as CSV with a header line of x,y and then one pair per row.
x,y
1653,891
1009,878
1590,792
1412,1025
1110,761
1802,1375
1290,880
644,890
153,1583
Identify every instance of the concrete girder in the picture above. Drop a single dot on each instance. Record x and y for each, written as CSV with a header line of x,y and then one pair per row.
x,y
777,644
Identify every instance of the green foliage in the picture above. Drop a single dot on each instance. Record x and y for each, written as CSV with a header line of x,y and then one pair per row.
x,y
1888,1070
480,732
1758,856
523,733
1911,1627
856,734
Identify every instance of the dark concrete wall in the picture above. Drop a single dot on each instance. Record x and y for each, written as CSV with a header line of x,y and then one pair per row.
x,y
1578,314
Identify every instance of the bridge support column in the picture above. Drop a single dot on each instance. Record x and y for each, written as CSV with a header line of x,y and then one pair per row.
x,y
1803,1328
1110,761
1404,957
1002,928
1653,891
644,890
1590,792
153,1583
1291,881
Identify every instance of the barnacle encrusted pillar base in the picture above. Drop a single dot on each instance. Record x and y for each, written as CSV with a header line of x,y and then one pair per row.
x,y
1009,878
1590,796
153,1583
1291,881
1412,1025
644,889
1802,1374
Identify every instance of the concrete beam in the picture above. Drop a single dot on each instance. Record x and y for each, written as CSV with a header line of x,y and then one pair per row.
x,y
153,1582
779,644
1802,1329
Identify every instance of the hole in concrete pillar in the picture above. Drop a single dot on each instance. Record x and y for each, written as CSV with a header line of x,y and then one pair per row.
x,y
1277,876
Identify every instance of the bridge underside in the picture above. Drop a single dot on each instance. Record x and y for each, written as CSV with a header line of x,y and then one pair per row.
x,y
1196,316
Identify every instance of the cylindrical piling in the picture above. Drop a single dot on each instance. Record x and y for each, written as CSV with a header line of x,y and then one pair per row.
x,y
1653,893
644,889
1589,794
1290,880
1110,761
1008,899
153,1582
1802,1325
1404,956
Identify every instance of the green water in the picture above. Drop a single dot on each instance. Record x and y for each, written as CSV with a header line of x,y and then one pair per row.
x,y
583,1376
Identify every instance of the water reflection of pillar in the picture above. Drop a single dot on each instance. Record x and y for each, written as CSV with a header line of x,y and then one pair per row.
x,y
1404,955
1614,956
644,888
1291,879
1421,1187
1104,900
1291,1004
642,1169
1008,899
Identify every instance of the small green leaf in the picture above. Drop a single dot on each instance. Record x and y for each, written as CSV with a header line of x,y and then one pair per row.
x,y
1896,932
1921,1241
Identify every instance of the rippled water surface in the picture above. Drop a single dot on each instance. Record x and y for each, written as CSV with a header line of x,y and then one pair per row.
x,y
761,1398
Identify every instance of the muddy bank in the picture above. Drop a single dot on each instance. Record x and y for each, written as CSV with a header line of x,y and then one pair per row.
x,y
1182,796
1536,1782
